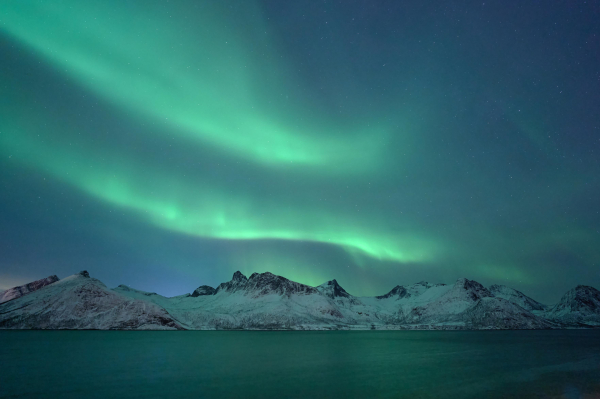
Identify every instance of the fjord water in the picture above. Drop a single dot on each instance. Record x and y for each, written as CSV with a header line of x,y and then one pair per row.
x,y
398,364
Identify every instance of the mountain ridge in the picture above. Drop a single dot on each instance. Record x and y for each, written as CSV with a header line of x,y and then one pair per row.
x,y
19,291
269,301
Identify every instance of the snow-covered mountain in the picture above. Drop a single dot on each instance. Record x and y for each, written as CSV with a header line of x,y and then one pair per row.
x,y
580,306
466,304
260,302
268,301
82,302
17,292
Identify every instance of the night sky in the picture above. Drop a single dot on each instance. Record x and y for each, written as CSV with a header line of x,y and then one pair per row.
x,y
167,144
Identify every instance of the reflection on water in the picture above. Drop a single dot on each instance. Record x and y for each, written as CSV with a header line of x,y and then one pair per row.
x,y
398,364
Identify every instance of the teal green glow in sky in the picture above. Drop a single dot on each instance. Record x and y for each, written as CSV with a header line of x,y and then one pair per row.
x,y
198,207
205,78
378,144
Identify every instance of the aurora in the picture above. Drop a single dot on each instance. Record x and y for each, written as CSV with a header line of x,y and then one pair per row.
x,y
312,141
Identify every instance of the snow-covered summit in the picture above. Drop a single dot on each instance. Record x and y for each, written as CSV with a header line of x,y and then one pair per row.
x,y
413,290
269,283
333,290
203,290
580,305
472,289
263,284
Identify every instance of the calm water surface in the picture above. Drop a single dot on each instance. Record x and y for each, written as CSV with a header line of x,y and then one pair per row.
x,y
398,364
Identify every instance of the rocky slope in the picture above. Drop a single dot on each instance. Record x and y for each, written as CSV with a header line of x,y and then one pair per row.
x,y
17,292
268,301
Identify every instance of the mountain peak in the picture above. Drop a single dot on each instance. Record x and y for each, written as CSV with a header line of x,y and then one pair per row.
x,y
204,290
586,288
474,289
269,283
84,273
580,305
238,282
582,297
333,290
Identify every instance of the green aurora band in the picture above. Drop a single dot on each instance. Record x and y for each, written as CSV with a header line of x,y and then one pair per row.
x,y
196,76
256,158
146,74
200,208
